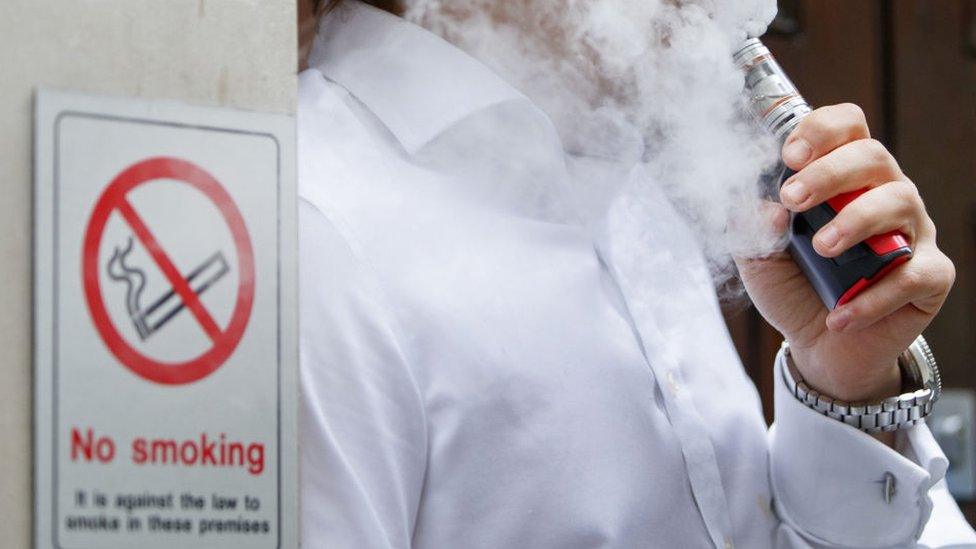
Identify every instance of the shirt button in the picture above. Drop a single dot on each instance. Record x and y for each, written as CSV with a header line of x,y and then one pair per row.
x,y
728,544
673,384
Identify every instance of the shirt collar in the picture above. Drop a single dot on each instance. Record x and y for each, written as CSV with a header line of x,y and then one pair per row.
x,y
416,83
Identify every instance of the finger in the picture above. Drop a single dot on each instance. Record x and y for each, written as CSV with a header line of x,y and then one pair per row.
x,y
922,283
822,131
850,167
925,232
776,217
890,207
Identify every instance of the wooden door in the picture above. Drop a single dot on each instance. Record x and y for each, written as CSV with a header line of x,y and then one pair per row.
x,y
934,122
934,108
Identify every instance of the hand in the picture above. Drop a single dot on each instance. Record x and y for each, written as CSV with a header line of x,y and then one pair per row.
x,y
850,353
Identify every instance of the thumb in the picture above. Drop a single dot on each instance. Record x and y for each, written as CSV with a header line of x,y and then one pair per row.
x,y
757,233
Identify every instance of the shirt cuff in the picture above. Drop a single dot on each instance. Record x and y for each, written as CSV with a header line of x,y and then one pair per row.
x,y
828,477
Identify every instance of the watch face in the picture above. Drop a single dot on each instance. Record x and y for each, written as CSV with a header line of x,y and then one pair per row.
x,y
922,363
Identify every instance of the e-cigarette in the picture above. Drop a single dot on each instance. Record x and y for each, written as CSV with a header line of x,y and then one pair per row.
x,y
779,107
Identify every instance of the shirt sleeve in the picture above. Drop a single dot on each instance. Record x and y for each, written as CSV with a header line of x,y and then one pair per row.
x,y
829,489
363,442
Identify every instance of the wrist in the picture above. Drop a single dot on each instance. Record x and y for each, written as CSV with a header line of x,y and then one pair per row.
x,y
852,381
918,383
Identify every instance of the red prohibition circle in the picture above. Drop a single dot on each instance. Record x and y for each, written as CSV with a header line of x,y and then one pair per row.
x,y
114,198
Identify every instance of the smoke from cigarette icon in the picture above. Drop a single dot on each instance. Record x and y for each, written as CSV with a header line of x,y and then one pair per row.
x,y
149,319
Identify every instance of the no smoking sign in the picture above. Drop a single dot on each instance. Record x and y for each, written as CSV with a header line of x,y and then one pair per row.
x,y
165,322
149,317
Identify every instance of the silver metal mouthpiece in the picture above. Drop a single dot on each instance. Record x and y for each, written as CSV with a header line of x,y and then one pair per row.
x,y
773,98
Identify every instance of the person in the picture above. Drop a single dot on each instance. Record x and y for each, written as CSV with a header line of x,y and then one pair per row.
x,y
477,372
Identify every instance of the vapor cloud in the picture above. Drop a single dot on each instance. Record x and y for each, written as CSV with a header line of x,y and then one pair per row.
x,y
647,80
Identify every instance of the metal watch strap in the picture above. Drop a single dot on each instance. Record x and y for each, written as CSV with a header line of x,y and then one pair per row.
x,y
890,414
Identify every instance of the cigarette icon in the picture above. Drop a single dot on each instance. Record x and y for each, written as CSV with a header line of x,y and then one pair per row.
x,y
149,319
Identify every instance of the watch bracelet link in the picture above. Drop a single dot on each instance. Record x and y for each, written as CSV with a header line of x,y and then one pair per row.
x,y
890,414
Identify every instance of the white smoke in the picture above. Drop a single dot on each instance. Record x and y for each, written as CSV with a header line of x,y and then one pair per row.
x,y
661,70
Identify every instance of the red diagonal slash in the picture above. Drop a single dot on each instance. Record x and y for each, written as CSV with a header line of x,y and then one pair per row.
x,y
180,285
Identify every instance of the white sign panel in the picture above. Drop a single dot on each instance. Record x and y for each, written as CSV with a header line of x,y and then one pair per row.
x,y
165,325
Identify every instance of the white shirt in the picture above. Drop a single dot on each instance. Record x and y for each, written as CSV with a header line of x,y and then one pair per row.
x,y
481,368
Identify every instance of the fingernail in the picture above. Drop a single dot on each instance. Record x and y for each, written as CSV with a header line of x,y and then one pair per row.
x,y
838,320
829,237
795,193
797,153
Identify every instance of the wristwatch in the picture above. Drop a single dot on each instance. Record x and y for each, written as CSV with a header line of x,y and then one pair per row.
x,y
921,386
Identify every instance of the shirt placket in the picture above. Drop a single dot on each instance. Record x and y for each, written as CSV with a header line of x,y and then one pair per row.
x,y
689,426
